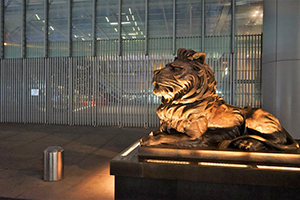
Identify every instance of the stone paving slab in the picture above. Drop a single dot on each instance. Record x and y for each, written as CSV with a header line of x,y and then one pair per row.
x,y
88,151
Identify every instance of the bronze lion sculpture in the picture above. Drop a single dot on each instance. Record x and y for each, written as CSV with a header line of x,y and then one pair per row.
x,y
193,115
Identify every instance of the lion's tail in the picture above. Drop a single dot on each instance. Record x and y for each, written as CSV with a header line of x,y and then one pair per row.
x,y
290,146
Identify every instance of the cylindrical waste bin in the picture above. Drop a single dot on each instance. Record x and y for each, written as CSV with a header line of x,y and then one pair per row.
x,y
53,163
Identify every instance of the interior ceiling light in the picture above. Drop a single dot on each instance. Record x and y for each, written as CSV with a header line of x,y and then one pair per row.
x,y
127,17
37,16
114,23
133,28
130,11
116,29
51,27
133,17
107,19
138,28
135,23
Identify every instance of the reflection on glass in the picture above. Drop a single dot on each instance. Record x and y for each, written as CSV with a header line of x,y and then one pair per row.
x,y
58,28
249,17
82,17
133,18
188,18
12,29
160,18
107,19
218,17
35,29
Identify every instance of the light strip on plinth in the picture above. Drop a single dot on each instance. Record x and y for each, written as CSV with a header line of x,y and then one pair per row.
x,y
128,151
168,162
278,168
223,164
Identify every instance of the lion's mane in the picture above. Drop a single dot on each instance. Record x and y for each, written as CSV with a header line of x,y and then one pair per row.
x,y
197,88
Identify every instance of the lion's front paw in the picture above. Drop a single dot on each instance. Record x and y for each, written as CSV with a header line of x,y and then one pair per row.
x,y
150,140
248,145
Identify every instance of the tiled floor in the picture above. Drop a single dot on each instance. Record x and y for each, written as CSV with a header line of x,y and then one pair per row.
x,y
87,153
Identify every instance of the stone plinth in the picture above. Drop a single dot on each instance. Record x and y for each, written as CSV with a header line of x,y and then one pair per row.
x,y
163,173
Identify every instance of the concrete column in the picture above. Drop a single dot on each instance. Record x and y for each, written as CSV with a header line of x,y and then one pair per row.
x,y
281,62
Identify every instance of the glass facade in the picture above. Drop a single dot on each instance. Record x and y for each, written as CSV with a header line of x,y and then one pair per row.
x,y
91,62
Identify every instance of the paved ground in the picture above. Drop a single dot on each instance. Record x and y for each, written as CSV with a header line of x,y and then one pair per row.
x,y
87,153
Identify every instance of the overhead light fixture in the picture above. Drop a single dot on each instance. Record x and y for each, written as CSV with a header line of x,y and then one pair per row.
x,y
133,28
127,17
135,23
51,27
37,16
130,11
116,23
116,29
107,19
132,33
133,17
138,28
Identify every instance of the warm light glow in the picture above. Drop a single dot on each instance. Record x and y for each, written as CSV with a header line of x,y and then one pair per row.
x,y
168,162
223,164
38,18
278,168
5,43
128,151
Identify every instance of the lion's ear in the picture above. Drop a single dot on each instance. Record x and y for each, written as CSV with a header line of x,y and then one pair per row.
x,y
200,57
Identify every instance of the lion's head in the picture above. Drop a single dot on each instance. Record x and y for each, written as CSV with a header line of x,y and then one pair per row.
x,y
186,79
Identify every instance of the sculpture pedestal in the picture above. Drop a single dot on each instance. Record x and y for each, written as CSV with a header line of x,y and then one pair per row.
x,y
162,173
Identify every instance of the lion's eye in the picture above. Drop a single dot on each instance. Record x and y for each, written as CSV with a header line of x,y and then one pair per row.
x,y
175,68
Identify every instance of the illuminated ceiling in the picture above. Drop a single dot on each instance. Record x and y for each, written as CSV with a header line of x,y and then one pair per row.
x,y
249,14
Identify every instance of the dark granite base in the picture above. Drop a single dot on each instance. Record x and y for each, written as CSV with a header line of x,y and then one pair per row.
x,y
160,189
138,179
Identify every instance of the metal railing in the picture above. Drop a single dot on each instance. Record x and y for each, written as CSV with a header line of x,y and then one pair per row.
x,y
113,90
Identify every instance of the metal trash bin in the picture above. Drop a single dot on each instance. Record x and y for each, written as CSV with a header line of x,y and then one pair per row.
x,y
53,163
